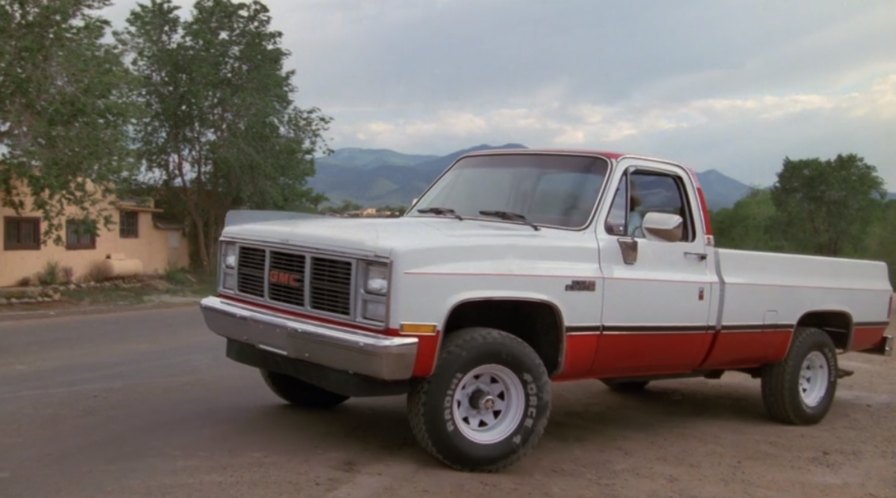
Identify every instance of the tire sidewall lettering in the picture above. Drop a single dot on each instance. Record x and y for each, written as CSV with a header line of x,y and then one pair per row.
x,y
448,401
832,364
531,409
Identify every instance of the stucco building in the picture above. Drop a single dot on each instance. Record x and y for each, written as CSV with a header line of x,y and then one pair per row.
x,y
135,236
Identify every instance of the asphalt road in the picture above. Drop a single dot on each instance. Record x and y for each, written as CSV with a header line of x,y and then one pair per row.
x,y
144,403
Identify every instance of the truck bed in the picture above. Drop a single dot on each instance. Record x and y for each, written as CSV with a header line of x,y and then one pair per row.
x,y
782,288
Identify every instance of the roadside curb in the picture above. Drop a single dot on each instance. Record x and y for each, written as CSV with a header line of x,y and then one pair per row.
x,y
83,310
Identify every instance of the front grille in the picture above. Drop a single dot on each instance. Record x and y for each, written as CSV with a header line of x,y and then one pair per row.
x,y
287,278
331,285
298,280
250,271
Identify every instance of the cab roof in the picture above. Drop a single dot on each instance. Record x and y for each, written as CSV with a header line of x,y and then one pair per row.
x,y
603,153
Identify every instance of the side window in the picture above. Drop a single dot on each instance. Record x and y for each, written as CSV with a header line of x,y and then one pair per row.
x,y
642,192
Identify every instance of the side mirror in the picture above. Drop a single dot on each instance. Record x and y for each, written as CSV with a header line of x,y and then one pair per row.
x,y
663,226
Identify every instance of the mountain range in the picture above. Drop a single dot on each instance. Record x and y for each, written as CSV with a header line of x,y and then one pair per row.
x,y
380,177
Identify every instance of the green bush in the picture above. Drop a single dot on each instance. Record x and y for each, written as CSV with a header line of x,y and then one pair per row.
x,y
50,274
179,277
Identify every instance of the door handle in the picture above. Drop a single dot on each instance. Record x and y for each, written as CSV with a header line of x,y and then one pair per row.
x,y
699,255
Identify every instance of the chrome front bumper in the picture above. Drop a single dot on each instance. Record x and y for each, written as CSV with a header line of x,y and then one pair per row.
x,y
377,356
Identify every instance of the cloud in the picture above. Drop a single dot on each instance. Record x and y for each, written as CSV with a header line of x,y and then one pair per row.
x,y
882,104
575,125
719,82
636,126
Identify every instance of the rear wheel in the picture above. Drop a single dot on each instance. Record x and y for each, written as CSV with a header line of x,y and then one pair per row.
x,y
487,403
800,389
300,393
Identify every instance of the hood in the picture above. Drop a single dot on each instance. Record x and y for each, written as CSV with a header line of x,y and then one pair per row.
x,y
380,236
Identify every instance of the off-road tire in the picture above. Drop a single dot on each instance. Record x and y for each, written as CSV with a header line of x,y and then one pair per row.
x,y
435,413
626,386
785,388
300,393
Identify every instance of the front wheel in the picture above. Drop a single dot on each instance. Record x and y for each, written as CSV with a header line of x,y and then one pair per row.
x,y
800,389
300,393
487,403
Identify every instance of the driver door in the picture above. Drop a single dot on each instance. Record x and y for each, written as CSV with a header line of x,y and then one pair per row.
x,y
656,305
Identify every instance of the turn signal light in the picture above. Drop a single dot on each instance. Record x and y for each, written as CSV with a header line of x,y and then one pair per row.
x,y
417,328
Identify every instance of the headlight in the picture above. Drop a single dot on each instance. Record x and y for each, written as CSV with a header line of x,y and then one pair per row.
x,y
228,265
228,281
228,252
377,279
375,311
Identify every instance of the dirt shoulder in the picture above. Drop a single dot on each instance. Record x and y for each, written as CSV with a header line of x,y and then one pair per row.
x,y
178,289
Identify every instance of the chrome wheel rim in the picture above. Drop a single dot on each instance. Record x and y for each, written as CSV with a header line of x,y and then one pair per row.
x,y
488,404
814,374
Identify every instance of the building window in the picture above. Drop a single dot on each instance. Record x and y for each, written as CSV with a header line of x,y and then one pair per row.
x,y
21,233
79,234
127,224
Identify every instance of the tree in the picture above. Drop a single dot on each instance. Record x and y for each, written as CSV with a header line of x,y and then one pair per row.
x,y
64,111
882,238
219,128
749,224
345,207
826,206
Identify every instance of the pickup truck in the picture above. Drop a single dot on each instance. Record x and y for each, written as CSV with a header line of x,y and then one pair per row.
x,y
518,268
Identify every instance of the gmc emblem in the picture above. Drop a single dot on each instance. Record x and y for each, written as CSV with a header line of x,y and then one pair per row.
x,y
284,278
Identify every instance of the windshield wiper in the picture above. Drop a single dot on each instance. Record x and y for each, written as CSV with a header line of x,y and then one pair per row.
x,y
507,215
440,211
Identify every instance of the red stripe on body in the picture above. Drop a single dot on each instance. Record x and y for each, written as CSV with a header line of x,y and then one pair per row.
x,y
308,317
609,155
704,209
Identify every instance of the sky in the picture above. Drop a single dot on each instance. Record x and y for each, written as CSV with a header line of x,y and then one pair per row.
x,y
717,84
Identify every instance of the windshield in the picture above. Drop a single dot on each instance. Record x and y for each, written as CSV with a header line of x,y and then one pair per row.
x,y
550,190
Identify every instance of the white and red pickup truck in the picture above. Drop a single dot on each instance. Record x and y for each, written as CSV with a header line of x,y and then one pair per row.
x,y
516,268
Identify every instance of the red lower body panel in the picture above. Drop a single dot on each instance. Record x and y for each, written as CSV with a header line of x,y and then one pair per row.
x,y
667,353
645,353
579,356
866,337
427,347
746,348
631,354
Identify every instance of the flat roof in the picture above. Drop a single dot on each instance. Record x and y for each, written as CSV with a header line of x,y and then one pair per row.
x,y
602,153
